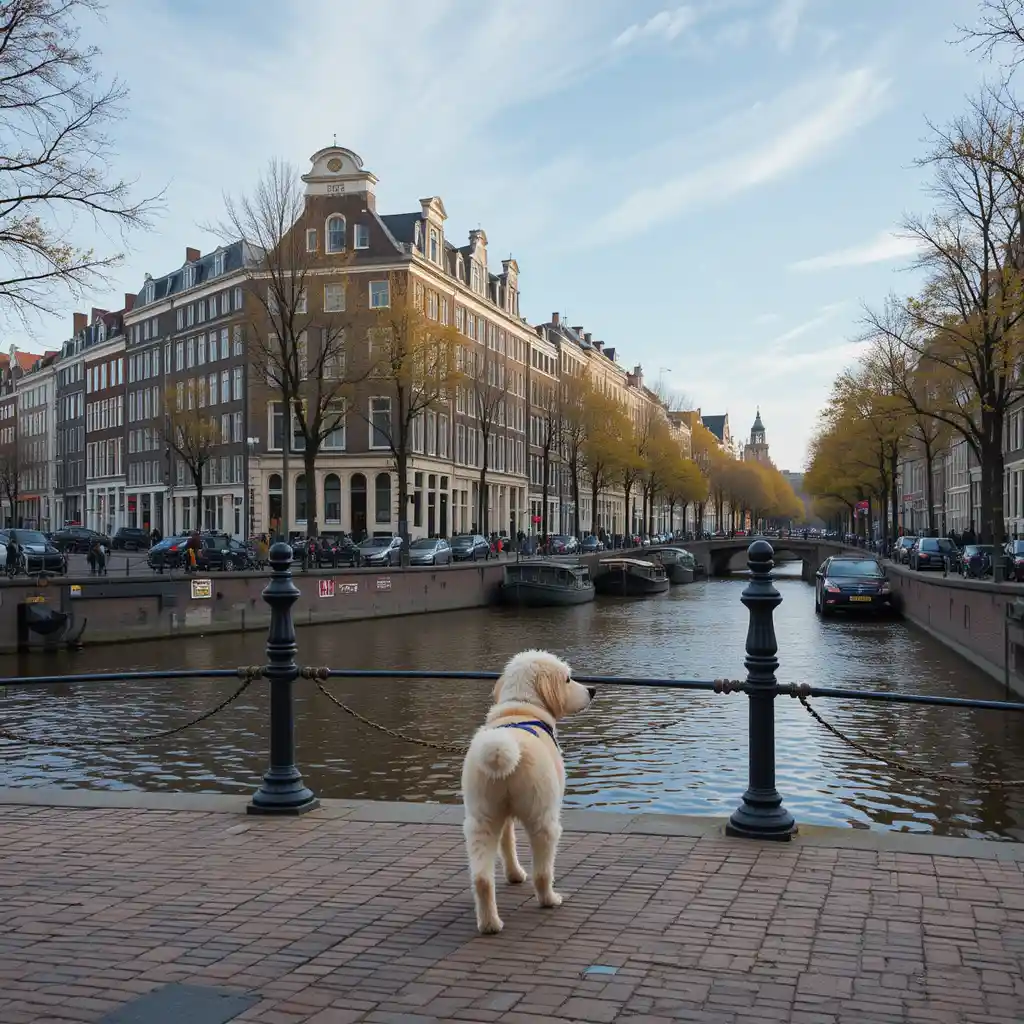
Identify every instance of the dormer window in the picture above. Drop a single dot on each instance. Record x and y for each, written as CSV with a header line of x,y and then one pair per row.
x,y
336,233
418,237
475,284
460,268
435,246
188,276
361,236
147,293
218,264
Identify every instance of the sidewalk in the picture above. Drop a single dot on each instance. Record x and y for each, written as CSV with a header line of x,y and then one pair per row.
x,y
362,912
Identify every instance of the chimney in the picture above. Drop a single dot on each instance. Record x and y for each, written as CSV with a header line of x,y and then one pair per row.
x,y
555,319
80,322
610,354
579,330
540,330
129,301
599,345
96,314
638,372
191,255
587,337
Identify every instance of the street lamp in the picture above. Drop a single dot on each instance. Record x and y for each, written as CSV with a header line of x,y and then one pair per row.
x,y
248,512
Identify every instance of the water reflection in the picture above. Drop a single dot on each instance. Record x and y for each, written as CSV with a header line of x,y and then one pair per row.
x,y
697,766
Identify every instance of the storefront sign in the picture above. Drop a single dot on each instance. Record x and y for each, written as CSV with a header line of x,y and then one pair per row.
x,y
348,588
202,589
76,589
327,588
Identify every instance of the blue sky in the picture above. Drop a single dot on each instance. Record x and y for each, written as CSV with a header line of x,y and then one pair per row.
x,y
710,187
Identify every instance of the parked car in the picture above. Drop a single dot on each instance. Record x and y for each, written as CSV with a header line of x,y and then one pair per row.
x,y
78,538
218,551
851,584
430,551
130,538
470,547
977,560
37,554
383,549
591,544
337,549
563,544
901,549
933,553
1015,560
168,554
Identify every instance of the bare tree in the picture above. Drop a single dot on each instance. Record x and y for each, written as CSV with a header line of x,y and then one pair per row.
x,y
54,168
1000,26
968,322
192,435
412,367
488,374
301,323
10,480
549,440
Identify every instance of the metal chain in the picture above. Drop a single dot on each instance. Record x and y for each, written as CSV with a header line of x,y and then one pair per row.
x,y
248,673
956,780
721,686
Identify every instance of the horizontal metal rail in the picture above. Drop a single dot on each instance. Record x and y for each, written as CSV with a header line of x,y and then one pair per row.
x,y
706,685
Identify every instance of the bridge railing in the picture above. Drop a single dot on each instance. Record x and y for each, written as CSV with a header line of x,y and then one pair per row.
x,y
761,813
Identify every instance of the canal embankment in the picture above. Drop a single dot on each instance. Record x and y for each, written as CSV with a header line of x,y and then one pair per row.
x,y
980,620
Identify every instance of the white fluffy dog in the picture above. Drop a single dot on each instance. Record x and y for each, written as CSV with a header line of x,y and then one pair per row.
x,y
513,770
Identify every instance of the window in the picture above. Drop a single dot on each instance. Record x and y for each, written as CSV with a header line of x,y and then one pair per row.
x,y
236,341
188,276
214,399
336,233
179,395
201,350
335,420
190,317
380,422
218,267
380,295
435,246
190,358
213,347
477,278
382,498
310,239
236,384
332,498
276,429
300,303
334,298
237,435
302,351
361,236
238,298
300,497
201,310
334,358
225,386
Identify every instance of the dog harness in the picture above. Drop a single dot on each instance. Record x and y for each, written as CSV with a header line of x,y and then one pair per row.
x,y
529,727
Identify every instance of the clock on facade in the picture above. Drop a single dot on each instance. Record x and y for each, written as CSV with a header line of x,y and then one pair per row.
x,y
334,164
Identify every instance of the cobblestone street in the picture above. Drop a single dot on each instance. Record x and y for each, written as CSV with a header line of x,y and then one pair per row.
x,y
356,912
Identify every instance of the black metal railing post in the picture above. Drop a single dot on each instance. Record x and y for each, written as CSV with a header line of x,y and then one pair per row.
x,y
282,790
761,814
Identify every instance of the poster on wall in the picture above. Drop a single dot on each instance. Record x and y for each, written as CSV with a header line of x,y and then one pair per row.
x,y
327,588
202,589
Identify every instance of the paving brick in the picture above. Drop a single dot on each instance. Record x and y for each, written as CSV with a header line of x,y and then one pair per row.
x,y
327,920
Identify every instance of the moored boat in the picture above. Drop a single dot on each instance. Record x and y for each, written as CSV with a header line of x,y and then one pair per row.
x,y
544,583
680,565
630,577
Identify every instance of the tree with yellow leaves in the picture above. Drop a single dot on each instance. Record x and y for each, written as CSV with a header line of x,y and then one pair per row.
x,y
605,446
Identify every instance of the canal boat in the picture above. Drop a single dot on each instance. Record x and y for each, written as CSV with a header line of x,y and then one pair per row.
x,y
630,577
545,583
680,565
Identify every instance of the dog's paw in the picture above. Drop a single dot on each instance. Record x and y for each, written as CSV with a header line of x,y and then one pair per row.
x,y
490,926
550,899
515,876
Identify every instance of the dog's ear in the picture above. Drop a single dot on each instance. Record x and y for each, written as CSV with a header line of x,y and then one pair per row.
x,y
551,689
496,692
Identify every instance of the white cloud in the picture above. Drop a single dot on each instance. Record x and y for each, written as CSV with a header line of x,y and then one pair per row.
x,y
784,22
665,25
827,113
887,246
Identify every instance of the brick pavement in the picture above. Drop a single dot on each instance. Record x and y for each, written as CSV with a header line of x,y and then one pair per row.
x,y
330,919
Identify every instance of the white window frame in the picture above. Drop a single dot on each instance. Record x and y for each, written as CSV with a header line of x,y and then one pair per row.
x,y
328,247
310,239
372,429
380,305
339,288
360,236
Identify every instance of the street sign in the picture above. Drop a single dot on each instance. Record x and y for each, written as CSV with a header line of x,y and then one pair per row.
x,y
202,589
327,588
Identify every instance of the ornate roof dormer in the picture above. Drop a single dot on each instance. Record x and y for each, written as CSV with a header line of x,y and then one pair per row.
x,y
336,171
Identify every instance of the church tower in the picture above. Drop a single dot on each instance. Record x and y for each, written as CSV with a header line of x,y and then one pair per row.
x,y
756,450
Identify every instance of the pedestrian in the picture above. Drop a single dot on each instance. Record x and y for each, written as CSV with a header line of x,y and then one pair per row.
x,y
12,557
192,552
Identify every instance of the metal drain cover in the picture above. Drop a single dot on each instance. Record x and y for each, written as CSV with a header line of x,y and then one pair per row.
x,y
176,1003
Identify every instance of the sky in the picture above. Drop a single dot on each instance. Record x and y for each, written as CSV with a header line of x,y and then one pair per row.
x,y
714,188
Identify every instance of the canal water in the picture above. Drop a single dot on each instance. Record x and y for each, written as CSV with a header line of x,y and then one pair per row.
x,y
690,757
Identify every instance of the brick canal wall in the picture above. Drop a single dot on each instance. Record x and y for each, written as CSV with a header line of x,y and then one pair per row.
x,y
155,607
968,616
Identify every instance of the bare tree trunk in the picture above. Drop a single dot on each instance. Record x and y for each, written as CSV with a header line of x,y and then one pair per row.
x,y
545,486
594,488
483,508
309,463
574,468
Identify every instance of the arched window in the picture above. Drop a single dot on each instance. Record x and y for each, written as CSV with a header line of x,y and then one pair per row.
x,y
382,498
332,498
336,233
300,498
419,237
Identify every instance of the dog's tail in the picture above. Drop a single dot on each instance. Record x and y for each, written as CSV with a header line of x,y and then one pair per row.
x,y
496,752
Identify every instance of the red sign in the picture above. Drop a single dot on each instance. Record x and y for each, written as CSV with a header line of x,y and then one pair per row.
x,y
862,506
327,588
536,519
